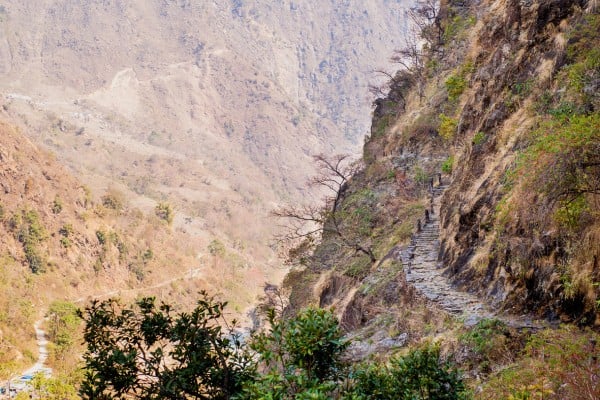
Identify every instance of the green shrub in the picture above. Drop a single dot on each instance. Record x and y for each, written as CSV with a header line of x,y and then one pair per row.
x,y
421,374
301,357
448,165
482,334
359,268
563,160
30,232
447,127
569,212
421,177
523,89
36,261
381,125
63,322
455,85
65,242
479,138
148,255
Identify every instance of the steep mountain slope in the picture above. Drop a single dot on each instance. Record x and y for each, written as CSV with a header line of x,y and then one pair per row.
x,y
59,242
213,107
502,108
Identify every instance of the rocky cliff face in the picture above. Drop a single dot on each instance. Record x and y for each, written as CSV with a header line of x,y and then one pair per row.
x,y
503,107
520,220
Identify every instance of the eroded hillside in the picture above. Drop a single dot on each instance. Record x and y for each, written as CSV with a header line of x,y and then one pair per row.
x,y
213,107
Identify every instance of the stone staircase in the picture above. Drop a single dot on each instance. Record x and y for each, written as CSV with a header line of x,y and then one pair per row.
x,y
425,272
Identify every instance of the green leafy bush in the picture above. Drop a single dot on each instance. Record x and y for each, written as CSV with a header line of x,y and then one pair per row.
x,y
448,164
301,357
447,127
151,352
455,85
31,233
421,374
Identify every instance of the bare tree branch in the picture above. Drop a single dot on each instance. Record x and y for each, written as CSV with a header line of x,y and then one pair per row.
x,y
306,224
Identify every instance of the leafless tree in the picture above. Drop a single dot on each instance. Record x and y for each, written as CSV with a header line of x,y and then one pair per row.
x,y
424,17
306,224
424,33
411,59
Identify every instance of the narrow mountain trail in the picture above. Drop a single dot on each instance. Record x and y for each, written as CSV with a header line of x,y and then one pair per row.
x,y
42,343
425,272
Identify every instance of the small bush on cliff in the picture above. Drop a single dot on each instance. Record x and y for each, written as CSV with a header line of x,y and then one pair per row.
x,y
447,128
455,85
448,165
113,200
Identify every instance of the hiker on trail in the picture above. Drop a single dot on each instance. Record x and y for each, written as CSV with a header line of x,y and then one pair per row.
x,y
418,226
440,178
431,208
427,220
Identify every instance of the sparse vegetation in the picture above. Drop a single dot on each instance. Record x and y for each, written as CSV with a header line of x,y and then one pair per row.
x,y
479,138
447,128
164,211
457,26
556,364
57,205
27,228
113,199
455,85
448,165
